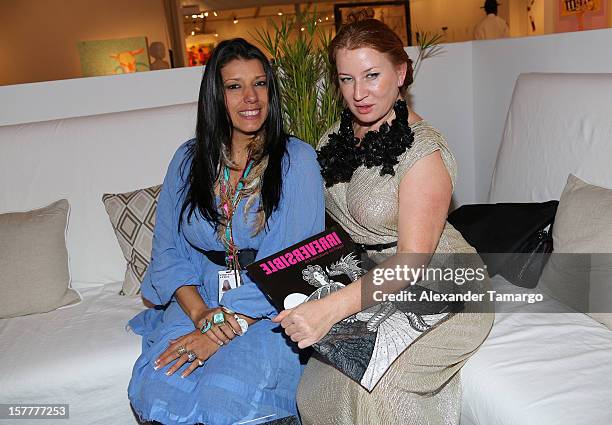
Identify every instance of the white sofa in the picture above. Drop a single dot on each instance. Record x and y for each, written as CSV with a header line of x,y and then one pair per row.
x,y
82,355
542,363
557,372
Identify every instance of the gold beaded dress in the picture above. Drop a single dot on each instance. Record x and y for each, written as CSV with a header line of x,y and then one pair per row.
x,y
422,386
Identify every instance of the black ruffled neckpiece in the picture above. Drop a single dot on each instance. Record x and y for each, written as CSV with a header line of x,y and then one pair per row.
x,y
343,154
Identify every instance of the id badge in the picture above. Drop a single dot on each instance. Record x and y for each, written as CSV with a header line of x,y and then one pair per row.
x,y
228,280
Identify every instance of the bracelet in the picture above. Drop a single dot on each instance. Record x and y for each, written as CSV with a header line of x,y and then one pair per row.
x,y
244,325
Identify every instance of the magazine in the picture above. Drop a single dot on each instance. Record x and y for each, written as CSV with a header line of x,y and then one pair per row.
x,y
364,345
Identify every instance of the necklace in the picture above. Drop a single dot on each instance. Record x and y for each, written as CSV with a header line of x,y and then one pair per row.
x,y
230,198
344,153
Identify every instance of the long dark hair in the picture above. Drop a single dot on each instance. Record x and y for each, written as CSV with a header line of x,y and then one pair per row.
x,y
214,130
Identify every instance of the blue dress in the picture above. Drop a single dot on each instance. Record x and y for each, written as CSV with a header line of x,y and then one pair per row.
x,y
254,378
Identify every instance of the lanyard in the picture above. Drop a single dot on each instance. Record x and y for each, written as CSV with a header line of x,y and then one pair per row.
x,y
231,252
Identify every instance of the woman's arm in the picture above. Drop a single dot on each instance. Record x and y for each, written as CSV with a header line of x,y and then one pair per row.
x,y
191,302
424,198
174,265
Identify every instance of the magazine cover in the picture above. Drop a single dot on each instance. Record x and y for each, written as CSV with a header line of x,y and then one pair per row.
x,y
364,345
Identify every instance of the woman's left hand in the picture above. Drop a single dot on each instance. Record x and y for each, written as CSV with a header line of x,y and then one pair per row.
x,y
202,346
307,323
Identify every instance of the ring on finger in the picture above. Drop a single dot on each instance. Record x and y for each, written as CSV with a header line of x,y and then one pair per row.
x,y
227,310
200,363
218,318
191,356
206,326
244,325
181,350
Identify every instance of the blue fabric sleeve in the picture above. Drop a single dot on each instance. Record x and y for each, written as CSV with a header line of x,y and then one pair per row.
x,y
174,263
300,215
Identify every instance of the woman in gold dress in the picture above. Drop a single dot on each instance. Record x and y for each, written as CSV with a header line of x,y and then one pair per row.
x,y
389,179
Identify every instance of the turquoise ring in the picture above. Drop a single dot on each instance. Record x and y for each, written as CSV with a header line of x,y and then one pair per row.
x,y
219,318
205,326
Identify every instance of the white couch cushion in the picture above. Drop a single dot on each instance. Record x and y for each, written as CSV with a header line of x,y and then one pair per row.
x,y
82,356
557,124
82,158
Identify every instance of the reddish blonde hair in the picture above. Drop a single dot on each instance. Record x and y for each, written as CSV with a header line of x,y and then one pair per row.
x,y
376,35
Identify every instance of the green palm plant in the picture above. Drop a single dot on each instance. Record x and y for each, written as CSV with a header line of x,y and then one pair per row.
x,y
310,101
428,45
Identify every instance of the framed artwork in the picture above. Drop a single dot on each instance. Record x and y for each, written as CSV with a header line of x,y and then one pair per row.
x,y
396,14
116,56
579,15
574,7
199,53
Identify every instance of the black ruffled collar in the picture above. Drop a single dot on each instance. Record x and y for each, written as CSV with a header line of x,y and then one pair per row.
x,y
343,154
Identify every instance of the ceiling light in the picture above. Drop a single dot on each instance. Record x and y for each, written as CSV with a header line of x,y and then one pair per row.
x,y
216,35
280,13
327,18
302,29
235,20
206,14
192,32
194,16
215,13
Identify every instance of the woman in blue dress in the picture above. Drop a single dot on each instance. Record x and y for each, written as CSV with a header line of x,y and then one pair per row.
x,y
241,190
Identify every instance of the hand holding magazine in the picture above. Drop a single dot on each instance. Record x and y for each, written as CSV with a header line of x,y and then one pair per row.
x,y
363,345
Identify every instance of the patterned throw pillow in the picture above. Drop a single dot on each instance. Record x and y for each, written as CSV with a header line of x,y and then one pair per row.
x,y
132,215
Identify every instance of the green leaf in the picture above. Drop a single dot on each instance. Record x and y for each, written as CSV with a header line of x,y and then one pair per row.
x,y
310,101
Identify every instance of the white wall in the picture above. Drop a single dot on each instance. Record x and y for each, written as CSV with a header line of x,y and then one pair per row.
x,y
443,95
465,93
79,97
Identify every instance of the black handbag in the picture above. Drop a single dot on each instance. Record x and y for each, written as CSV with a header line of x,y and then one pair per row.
x,y
513,239
525,267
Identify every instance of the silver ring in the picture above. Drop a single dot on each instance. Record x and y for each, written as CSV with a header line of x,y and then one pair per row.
x,y
191,356
200,362
181,350
244,325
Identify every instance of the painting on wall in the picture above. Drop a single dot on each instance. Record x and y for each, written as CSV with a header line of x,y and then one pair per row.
x,y
199,53
116,56
579,15
396,14
573,7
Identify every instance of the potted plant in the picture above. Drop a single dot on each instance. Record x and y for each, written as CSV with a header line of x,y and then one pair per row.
x,y
310,101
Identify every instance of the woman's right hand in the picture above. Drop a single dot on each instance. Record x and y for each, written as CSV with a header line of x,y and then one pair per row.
x,y
222,333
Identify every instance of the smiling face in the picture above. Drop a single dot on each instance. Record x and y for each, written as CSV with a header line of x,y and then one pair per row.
x,y
369,83
246,96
